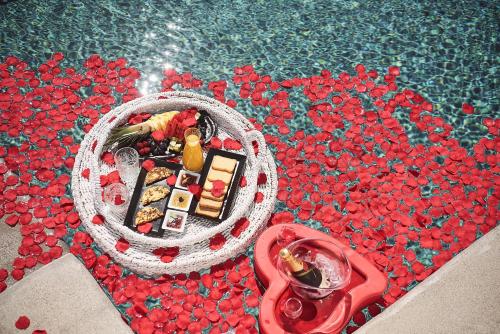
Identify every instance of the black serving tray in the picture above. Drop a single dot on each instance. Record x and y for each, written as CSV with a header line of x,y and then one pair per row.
x,y
135,205
232,189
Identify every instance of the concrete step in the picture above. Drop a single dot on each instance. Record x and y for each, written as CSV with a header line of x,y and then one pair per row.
x,y
463,296
61,297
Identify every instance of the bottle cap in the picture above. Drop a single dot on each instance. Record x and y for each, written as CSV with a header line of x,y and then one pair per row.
x,y
284,252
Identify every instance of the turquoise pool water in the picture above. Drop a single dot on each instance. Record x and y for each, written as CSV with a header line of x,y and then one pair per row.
x,y
448,52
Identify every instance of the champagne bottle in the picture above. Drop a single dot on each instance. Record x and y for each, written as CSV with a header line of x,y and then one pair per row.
x,y
305,272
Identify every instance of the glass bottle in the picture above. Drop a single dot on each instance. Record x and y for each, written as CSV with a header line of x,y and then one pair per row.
x,y
304,272
192,157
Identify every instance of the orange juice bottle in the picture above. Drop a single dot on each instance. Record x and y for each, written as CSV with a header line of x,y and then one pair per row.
x,y
192,158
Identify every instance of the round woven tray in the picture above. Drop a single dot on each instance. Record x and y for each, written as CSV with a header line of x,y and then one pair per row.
x,y
194,244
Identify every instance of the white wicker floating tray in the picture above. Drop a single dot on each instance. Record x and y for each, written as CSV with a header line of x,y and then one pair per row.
x,y
194,251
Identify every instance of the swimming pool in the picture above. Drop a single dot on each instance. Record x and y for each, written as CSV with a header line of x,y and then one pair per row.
x,y
448,53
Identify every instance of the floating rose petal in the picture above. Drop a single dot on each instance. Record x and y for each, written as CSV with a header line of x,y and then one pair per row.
x,y
467,108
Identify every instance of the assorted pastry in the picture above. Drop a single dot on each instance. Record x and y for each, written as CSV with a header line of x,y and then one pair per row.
x,y
166,194
147,215
157,174
154,194
167,205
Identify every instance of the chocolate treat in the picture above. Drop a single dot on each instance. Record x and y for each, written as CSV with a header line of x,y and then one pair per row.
x,y
188,179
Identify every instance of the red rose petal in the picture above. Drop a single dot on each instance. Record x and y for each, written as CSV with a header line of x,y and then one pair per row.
x,y
262,179
31,261
55,252
98,219
108,158
243,182
171,180
17,274
22,322
217,242
259,197
233,320
467,108
218,187
216,143
145,228
3,274
119,200
240,226
148,164
252,301
12,220
194,189
232,144
213,316
122,245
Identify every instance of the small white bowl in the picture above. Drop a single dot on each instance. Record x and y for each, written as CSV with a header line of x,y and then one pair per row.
x,y
179,178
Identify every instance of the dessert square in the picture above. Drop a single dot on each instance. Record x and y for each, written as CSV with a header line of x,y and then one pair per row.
x,y
219,175
223,164
207,213
208,204
208,195
208,187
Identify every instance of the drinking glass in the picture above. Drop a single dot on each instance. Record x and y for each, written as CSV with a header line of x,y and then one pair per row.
x,y
117,197
192,157
127,164
292,308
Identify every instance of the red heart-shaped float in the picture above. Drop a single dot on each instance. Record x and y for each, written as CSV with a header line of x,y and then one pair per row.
x,y
327,315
